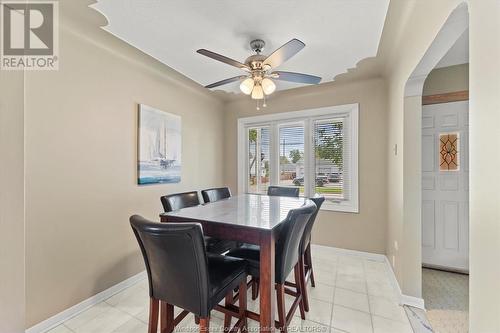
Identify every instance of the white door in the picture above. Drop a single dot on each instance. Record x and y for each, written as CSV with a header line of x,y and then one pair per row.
x,y
445,185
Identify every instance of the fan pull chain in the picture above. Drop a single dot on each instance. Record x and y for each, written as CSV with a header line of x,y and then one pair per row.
x,y
258,107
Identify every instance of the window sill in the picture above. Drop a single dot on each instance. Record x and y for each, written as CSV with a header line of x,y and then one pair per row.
x,y
346,207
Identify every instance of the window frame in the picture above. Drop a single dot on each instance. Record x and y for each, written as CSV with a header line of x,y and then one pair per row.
x,y
306,117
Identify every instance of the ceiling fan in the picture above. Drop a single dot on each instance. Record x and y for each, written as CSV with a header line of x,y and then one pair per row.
x,y
258,81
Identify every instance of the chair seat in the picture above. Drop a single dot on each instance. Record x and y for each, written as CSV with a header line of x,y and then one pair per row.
x,y
225,273
251,253
218,246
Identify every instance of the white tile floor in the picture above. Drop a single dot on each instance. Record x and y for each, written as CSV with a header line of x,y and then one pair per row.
x,y
352,294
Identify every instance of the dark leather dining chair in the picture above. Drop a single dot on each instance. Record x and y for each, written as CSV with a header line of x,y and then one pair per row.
x,y
305,259
178,201
215,194
182,274
283,191
286,260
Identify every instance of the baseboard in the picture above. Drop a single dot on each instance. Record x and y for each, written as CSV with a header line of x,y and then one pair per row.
x,y
404,299
416,302
61,317
446,269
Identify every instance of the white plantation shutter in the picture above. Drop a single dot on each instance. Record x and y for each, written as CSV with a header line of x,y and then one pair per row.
x,y
291,150
258,176
331,159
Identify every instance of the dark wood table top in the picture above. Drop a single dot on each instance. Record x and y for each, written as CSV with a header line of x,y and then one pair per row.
x,y
246,210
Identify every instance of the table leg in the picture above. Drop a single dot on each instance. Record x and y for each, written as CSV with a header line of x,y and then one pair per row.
x,y
267,295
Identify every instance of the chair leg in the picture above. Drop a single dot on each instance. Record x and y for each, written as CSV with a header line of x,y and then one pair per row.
x,y
167,318
280,295
255,288
299,291
242,304
227,317
308,258
303,286
204,324
153,315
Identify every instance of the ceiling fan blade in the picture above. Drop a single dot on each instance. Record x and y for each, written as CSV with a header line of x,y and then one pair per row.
x,y
224,59
284,53
226,81
296,77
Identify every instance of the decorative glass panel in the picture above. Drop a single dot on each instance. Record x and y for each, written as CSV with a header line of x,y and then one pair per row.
x,y
448,152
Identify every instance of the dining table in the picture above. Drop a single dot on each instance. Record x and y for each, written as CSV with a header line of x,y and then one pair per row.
x,y
247,218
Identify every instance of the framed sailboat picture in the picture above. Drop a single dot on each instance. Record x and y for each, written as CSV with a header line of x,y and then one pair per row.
x,y
159,147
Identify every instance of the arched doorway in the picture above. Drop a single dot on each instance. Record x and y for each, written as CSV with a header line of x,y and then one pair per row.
x,y
429,208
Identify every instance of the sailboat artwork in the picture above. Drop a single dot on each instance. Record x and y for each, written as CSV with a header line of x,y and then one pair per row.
x,y
159,147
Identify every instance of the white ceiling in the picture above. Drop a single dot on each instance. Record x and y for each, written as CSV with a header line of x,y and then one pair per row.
x,y
458,54
337,33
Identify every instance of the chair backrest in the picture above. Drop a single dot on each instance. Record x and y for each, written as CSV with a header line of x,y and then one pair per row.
x,y
176,263
287,246
306,238
282,191
215,194
177,201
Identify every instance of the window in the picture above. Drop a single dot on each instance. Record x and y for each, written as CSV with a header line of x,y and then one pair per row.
x,y
258,159
315,150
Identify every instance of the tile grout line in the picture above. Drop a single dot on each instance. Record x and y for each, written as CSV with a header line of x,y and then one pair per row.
x,y
122,311
69,329
134,316
334,290
116,308
323,301
368,296
335,274
386,298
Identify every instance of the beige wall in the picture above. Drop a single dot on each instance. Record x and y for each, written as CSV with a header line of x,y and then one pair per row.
x,y
12,290
84,118
411,244
421,28
364,231
484,105
81,126
418,31
447,79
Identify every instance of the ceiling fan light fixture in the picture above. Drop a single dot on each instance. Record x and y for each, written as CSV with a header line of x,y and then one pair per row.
x,y
257,92
247,86
268,86
258,82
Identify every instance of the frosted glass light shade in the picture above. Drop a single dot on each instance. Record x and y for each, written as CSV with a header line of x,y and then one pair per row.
x,y
246,86
268,86
257,92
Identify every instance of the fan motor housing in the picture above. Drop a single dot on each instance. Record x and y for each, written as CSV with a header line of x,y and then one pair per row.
x,y
255,61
